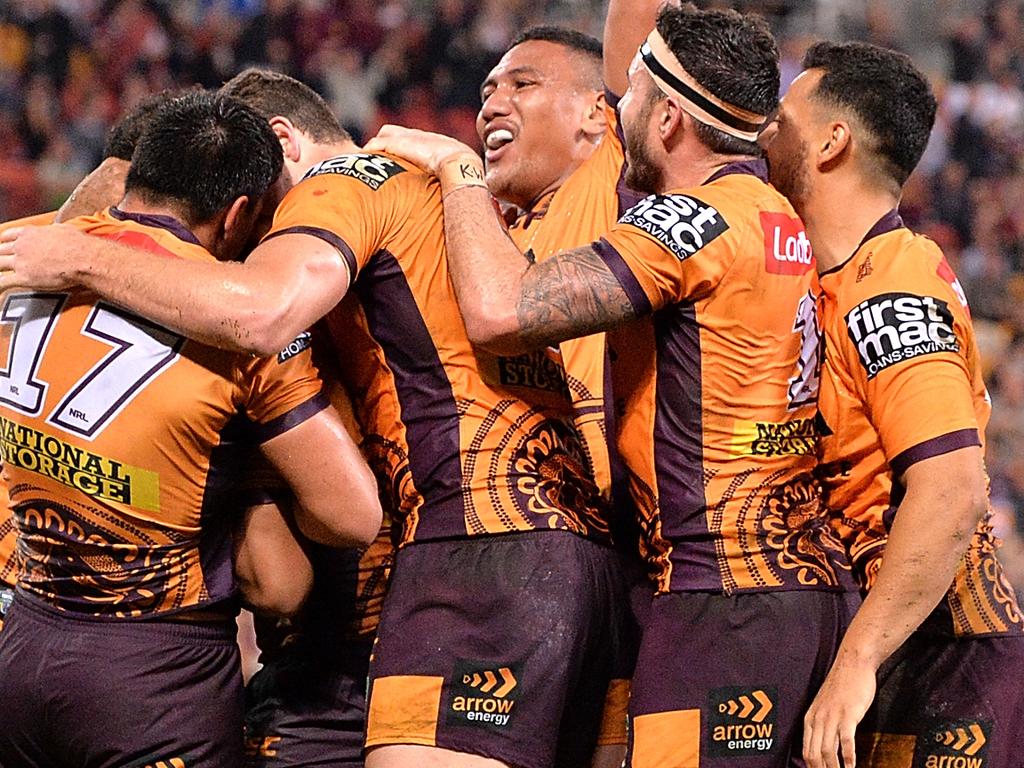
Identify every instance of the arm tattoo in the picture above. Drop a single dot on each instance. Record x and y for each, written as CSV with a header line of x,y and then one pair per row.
x,y
570,295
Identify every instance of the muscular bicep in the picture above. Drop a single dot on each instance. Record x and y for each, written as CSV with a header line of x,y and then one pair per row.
x,y
572,294
336,492
290,282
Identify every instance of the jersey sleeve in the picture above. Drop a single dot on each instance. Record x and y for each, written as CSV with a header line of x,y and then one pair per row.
x,y
282,391
345,201
909,350
667,249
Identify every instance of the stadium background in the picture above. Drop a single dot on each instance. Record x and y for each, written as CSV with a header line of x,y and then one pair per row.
x,y
68,68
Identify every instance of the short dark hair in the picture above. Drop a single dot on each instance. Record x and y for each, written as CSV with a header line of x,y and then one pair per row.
x,y
887,94
578,42
732,55
126,132
202,151
275,94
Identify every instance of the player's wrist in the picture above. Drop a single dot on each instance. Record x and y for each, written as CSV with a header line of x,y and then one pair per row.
x,y
460,169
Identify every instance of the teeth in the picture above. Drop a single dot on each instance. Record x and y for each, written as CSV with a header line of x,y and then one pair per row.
x,y
499,138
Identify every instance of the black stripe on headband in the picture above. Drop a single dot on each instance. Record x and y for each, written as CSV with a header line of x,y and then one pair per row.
x,y
710,107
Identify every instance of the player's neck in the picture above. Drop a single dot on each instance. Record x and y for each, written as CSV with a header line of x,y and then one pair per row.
x,y
313,153
693,169
838,215
582,152
135,204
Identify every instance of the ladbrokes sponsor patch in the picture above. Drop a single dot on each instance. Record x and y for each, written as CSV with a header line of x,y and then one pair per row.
x,y
787,251
741,721
892,328
682,223
957,744
483,694
372,170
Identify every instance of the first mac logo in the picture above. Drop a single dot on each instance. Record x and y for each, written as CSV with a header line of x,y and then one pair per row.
x,y
892,328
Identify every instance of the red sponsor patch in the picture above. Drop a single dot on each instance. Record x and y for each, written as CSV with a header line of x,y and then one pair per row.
x,y
946,273
787,251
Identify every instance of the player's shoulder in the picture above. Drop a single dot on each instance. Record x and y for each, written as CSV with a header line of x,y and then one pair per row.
x,y
897,262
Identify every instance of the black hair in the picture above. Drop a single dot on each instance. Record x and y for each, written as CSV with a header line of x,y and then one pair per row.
x,y
576,42
732,55
275,94
202,151
126,132
886,93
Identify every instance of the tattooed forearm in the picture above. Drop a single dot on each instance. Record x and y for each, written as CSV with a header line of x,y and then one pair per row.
x,y
569,295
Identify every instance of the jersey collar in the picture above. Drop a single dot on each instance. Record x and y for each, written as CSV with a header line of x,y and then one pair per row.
x,y
889,222
168,223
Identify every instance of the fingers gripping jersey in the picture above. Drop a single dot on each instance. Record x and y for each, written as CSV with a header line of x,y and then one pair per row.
x,y
584,207
8,533
715,392
112,431
460,456
902,382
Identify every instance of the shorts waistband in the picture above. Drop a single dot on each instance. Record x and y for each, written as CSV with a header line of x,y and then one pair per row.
x,y
220,632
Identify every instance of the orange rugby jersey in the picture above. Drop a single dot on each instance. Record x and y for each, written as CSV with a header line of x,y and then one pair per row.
x,y
460,457
117,438
8,533
716,390
584,207
901,382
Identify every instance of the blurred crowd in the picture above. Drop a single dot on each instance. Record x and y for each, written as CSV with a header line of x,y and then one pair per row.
x,y
69,68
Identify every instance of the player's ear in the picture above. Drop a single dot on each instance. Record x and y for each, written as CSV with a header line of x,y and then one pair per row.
x,y
671,120
288,135
237,217
836,141
595,119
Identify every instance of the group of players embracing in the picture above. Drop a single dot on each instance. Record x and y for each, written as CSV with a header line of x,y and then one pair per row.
x,y
651,397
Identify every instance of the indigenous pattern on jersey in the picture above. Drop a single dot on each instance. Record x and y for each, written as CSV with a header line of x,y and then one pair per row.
x,y
460,457
715,391
8,533
113,434
901,382
583,208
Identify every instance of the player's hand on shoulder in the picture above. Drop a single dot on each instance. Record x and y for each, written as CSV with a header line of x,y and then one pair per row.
x,y
41,258
831,722
427,150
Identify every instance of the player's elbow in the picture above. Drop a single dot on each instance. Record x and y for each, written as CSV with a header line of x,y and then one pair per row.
x,y
351,521
268,333
278,589
495,329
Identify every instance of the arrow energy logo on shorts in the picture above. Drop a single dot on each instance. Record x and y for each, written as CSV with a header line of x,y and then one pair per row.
x,y
741,721
483,695
961,744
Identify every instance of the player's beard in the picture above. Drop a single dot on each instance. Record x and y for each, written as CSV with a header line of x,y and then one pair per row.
x,y
642,173
790,175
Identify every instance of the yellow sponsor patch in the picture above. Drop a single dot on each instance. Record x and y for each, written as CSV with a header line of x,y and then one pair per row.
x,y
759,438
92,474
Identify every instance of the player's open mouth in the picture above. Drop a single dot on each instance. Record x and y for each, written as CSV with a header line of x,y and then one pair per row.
x,y
496,142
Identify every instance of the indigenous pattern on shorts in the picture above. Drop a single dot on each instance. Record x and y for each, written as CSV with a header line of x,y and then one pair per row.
x,y
113,434
716,389
901,383
459,456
